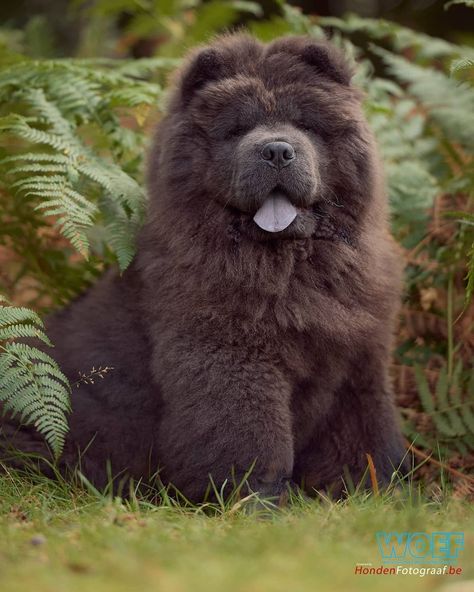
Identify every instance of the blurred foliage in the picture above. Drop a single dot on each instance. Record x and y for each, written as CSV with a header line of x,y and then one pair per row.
x,y
72,148
171,25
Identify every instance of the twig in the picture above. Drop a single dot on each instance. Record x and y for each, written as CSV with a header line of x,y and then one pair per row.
x,y
95,373
373,474
429,458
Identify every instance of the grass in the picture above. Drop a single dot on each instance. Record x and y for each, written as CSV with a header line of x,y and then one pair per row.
x,y
54,537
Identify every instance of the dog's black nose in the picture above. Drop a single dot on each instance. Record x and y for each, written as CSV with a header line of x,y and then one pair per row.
x,y
278,154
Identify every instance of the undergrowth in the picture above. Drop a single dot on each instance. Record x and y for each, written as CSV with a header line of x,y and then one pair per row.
x,y
54,536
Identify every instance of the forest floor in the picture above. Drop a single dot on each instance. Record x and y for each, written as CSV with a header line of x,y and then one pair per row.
x,y
57,538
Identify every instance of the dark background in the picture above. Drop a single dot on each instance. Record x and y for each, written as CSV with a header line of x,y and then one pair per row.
x,y
429,16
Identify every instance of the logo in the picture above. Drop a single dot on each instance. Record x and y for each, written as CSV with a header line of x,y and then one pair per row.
x,y
416,553
420,547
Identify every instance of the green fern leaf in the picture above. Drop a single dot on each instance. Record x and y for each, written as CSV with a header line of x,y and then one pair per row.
x,y
31,383
449,103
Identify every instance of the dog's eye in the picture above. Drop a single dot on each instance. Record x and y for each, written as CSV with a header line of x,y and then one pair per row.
x,y
315,130
305,127
238,130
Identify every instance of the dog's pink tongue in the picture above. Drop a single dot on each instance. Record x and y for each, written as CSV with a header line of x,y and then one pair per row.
x,y
275,214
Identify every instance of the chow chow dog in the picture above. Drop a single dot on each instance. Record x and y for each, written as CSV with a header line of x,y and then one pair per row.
x,y
253,329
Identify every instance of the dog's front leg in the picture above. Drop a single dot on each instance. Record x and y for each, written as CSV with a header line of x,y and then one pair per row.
x,y
226,410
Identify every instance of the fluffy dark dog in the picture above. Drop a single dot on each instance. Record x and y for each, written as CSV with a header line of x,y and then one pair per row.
x,y
255,325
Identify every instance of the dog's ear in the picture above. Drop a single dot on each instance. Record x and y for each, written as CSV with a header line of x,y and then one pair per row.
x,y
206,66
329,61
326,59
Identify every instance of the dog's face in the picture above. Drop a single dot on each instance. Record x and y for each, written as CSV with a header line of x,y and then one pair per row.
x,y
275,134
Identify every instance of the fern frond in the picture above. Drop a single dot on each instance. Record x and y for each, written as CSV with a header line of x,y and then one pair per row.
x,y
449,103
451,413
398,36
469,3
470,275
462,64
146,66
45,104
35,157
31,383
120,231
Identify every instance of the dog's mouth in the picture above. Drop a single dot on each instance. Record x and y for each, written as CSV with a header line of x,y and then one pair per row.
x,y
276,213
278,218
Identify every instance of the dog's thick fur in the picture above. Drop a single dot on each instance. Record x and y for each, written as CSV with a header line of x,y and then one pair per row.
x,y
229,345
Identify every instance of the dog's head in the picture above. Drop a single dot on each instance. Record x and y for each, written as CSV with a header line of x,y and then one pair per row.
x,y
275,134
